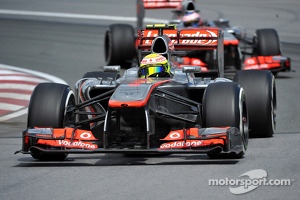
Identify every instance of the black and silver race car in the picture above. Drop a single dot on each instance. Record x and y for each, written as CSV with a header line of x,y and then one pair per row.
x,y
109,112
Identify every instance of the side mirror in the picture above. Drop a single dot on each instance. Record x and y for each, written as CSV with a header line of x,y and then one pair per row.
x,y
114,68
175,21
191,69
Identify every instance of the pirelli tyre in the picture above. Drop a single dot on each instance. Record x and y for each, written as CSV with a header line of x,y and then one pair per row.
x,y
224,104
261,100
119,45
267,42
48,108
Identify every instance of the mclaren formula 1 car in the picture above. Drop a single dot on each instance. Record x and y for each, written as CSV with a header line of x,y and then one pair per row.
x,y
261,51
110,113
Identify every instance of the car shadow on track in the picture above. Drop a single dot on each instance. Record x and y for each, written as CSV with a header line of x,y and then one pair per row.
x,y
122,160
283,77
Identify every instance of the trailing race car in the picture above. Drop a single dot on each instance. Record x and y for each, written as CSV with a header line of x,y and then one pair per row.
x,y
260,52
138,113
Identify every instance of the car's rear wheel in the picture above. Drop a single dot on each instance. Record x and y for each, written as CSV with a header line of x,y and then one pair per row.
x,y
224,105
260,91
119,45
48,108
267,42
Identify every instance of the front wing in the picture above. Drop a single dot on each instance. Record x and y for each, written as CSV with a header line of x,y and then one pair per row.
x,y
272,63
77,141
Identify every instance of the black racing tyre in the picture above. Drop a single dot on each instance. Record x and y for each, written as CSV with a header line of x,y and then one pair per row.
x,y
267,42
260,91
48,104
119,45
47,108
103,75
224,105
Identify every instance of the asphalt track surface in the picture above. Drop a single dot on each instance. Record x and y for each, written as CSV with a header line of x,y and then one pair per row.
x,y
68,47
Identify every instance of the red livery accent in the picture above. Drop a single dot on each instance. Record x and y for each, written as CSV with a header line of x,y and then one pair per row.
x,y
190,36
267,63
190,138
65,138
187,144
157,4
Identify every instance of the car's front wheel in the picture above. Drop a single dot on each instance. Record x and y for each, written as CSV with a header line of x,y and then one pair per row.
x,y
48,107
224,105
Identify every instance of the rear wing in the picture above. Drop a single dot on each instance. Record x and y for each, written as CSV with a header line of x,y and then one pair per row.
x,y
202,38
143,5
205,38
157,4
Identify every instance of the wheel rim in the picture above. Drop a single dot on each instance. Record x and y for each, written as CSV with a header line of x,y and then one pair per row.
x,y
69,117
273,107
244,122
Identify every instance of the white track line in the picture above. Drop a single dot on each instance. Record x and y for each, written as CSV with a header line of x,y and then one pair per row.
x,y
78,16
35,73
22,78
17,86
21,110
11,107
12,95
14,114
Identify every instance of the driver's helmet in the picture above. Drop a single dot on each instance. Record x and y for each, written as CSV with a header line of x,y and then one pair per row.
x,y
191,19
154,65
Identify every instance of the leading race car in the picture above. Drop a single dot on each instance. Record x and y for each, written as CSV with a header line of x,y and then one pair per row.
x,y
260,52
134,114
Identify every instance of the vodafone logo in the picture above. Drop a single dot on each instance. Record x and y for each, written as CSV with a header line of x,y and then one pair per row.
x,y
250,62
85,135
181,144
196,62
175,135
78,144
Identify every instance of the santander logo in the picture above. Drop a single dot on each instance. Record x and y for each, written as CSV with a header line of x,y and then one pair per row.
x,y
208,37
